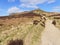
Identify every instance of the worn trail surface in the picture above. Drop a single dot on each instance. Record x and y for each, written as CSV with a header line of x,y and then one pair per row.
x,y
50,35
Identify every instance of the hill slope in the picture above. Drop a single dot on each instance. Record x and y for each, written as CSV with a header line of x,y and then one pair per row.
x,y
21,26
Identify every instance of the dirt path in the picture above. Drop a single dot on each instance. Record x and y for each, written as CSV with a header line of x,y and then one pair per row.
x,y
50,35
33,37
28,39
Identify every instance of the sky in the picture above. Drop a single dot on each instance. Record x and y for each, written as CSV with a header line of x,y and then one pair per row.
x,y
14,6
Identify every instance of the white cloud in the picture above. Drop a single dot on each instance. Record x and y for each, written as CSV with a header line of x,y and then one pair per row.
x,y
28,6
11,0
14,10
56,9
51,1
34,3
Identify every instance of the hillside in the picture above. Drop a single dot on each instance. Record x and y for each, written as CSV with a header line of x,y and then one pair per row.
x,y
25,16
25,26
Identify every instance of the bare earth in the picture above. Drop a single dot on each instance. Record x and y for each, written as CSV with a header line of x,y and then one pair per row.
x,y
28,39
50,35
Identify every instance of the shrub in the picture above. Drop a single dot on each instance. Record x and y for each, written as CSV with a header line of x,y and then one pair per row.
x,y
15,42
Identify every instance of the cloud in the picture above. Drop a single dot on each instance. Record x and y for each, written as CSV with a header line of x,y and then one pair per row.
x,y
14,10
34,3
56,9
51,1
28,6
11,0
